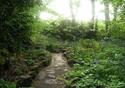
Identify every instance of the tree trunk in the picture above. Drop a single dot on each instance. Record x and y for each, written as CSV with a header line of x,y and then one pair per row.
x,y
93,14
115,12
71,9
107,17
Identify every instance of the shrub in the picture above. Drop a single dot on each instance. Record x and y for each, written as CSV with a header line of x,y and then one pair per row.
x,y
117,30
66,30
6,84
99,65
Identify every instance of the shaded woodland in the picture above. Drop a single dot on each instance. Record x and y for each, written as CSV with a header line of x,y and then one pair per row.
x,y
95,50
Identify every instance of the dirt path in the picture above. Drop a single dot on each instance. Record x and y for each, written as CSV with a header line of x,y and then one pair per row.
x,y
50,76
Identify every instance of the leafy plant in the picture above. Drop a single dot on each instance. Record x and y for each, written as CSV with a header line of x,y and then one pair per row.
x,y
7,84
102,65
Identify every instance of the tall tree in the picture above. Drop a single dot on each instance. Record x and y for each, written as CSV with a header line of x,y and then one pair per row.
x,y
107,16
71,10
116,5
74,6
15,23
93,14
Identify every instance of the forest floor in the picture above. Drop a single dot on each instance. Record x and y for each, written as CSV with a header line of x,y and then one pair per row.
x,y
52,76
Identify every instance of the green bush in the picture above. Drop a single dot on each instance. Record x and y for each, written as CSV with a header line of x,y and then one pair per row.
x,y
117,30
15,25
82,51
99,65
66,30
6,84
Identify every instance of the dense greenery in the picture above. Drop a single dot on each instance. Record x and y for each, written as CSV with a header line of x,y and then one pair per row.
x,y
97,64
16,20
15,25
94,51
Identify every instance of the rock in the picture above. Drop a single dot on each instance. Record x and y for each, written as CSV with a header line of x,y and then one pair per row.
x,y
66,70
50,81
52,76
25,81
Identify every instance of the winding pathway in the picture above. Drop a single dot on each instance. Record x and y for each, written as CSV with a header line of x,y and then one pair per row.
x,y
51,77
